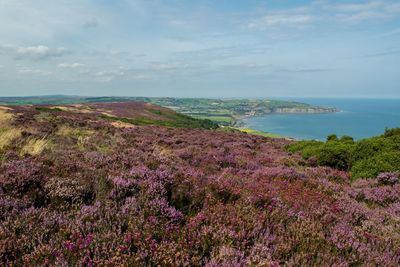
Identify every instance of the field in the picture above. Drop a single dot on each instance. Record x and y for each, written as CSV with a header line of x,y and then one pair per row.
x,y
92,185
223,111
255,132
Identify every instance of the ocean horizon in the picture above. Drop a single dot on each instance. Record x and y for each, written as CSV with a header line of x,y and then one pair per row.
x,y
357,117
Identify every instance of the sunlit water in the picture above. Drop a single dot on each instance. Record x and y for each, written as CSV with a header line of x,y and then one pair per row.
x,y
359,118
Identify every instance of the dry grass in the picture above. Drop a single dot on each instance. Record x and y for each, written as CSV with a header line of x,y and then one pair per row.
x,y
75,108
120,124
7,132
82,136
163,151
8,135
65,131
74,132
5,117
34,147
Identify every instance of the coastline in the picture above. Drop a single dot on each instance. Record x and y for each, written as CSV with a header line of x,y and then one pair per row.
x,y
239,124
238,119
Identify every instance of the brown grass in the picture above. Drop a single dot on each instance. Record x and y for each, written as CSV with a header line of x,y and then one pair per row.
x,y
5,116
120,124
34,147
7,133
74,132
75,108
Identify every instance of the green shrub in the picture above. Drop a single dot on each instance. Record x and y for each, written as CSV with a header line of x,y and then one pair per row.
x,y
365,158
371,167
392,132
347,139
332,137
336,155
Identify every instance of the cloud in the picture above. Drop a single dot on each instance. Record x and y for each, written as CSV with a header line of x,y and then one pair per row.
x,y
367,11
71,66
34,53
109,75
40,52
303,70
273,20
169,66
360,7
362,16
34,71
326,11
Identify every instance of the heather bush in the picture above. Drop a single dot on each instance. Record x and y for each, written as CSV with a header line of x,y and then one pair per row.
x,y
388,178
66,190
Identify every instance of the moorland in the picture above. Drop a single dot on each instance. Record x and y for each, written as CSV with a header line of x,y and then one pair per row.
x,y
135,184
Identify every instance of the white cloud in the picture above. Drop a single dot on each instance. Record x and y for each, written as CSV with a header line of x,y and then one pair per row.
x,y
40,52
35,72
320,11
367,11
371,5
280,20
362,16
110,72
35,53
71,66
109,75
169,66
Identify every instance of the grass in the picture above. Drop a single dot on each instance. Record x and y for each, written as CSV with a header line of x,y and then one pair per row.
x,y
34,147
46,109
7,136
5,117
74,132
82,136
7,133
261,133
216,118
172,120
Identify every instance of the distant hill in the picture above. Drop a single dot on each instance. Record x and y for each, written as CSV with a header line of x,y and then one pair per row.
x,y
222,111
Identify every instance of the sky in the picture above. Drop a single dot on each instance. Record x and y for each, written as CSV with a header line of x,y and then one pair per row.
x,y
207,48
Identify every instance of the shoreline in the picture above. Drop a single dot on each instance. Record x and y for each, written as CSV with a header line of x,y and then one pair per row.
x,y
238,121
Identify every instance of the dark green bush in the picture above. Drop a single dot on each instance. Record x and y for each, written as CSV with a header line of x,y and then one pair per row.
x,y
332,137
347,139
392,132
372,166
365,158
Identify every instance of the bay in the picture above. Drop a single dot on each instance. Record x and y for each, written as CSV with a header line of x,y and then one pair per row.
x,y
359,118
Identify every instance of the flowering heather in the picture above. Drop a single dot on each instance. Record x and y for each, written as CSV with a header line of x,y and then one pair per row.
x,y
152,195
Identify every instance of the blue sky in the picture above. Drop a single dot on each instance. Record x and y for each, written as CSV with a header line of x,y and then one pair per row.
x,y
210,48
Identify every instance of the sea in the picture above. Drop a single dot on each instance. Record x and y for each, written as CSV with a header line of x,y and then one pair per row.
x,y
359,118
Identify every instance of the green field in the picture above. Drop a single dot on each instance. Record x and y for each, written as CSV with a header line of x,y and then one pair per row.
x,y
256,132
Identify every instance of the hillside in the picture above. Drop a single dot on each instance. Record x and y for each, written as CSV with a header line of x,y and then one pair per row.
x,y
107,184
222,111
